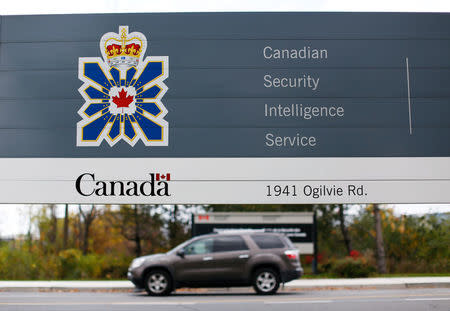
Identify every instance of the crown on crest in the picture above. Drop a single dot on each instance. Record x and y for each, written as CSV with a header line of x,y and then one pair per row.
x,y
123,49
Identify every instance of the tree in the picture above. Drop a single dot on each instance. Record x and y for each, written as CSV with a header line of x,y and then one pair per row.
x,y
47,224
30,219
139,223
344,230
66,225
88,217
381,256
176,226
53,230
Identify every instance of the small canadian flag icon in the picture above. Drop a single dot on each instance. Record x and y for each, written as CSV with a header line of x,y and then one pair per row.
x,y
163,177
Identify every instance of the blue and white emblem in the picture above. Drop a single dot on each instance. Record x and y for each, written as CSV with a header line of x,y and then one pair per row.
x,y
122,93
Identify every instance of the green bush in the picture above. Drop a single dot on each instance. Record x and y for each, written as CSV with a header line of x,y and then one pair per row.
x,y
75,265
26,264
70,264
351,268
114,267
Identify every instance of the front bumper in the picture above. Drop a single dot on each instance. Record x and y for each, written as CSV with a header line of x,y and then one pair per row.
x,y
138,282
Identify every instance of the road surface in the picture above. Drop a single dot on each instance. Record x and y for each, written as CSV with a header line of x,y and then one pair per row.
x,y
393,299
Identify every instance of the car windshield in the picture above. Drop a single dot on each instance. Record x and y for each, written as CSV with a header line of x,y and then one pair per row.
x,y
178,247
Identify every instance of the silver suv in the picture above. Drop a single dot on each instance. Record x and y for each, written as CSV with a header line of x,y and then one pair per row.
x,y
261,260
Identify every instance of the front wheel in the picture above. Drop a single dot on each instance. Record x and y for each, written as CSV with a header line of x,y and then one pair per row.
x,y
158,283
266,281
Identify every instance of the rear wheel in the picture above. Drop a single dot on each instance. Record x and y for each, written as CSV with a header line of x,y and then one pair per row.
x,y
266,281
158,283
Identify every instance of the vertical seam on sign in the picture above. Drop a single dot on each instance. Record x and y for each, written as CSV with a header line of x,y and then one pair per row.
x,y
409,96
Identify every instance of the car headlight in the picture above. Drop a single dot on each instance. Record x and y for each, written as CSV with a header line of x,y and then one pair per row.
x,y
137,262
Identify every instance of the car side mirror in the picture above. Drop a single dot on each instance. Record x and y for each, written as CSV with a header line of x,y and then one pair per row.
x,y
180,253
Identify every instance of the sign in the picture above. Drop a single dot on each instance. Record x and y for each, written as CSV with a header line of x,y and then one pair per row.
x,y
298,227
254,108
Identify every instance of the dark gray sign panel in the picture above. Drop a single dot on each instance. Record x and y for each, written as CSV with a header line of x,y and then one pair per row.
x,y
240,84
299,227
298,233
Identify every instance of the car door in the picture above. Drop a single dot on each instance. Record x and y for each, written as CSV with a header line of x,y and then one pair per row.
x,y
193,267
229,258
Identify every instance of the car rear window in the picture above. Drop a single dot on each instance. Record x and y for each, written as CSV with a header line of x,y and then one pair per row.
x,y
267,241
289,242
229,243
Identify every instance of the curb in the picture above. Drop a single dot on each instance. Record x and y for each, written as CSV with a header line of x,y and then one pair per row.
x,y
296,285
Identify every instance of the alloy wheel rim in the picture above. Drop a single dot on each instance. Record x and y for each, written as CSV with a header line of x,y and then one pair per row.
x,y
266,281
157,283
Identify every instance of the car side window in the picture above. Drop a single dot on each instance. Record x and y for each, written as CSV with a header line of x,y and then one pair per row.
x,y
267,241
199,247
229,243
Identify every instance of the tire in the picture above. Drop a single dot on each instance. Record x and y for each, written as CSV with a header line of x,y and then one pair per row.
x,y
158,283
266,281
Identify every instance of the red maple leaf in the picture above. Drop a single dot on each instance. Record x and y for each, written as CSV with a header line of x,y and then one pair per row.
x,y
122,101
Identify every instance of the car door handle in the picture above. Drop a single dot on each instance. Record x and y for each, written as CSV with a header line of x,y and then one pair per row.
x,y
243,256
207,258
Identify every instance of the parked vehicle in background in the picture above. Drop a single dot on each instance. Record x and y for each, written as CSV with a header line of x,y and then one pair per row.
x,y
261,260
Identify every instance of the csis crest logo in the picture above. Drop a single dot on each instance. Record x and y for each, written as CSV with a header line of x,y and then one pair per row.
x,y
122,93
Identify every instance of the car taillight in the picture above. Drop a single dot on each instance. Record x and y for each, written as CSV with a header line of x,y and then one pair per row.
x,y
291,254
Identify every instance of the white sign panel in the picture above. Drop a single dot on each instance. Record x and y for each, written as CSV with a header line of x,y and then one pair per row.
x,y
205,181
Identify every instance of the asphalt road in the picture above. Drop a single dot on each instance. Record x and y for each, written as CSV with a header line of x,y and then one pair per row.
x,y
397,300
